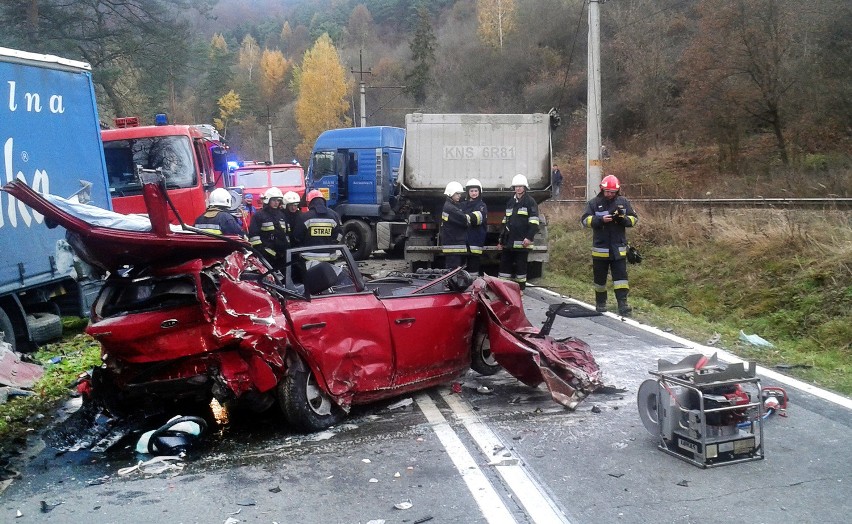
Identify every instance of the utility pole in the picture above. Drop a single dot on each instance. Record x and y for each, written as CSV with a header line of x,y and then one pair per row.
x,y
269,130
594,169
362,87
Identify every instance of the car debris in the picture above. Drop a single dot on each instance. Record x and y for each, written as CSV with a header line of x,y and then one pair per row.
x,y
16,373
186,317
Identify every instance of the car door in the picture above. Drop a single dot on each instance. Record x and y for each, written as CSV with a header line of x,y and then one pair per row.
x,y
431,334
347,338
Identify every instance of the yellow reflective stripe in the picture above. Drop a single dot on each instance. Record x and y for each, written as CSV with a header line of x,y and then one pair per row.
x,y
271,251
598,254
445,217
587,222
599,289
454,249
632,220
622,251
478,215
620,284
476,250
533,220
523,211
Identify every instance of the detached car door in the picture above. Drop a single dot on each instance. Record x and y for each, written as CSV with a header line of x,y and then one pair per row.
x,y
431,334
347,338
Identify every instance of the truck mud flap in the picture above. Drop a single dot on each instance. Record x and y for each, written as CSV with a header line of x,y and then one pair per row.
x,y
566,367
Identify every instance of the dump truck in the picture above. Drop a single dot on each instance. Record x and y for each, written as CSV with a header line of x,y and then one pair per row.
x,y
387,183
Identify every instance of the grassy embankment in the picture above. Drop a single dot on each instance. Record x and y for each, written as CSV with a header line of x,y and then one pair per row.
x,y
784,275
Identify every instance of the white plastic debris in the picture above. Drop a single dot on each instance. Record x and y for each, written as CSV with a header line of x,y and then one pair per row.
x,y
755,340
402,403
373,480
405,504
366,461
396,475
484,390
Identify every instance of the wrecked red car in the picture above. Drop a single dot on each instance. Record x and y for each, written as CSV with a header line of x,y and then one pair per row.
x,y
183,316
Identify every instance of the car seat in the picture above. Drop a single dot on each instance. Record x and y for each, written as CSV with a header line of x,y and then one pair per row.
x,y
320,277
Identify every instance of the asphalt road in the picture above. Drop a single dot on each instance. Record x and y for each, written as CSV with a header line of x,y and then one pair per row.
x,y
507,453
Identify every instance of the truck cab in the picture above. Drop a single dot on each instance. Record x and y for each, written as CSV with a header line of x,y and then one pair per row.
x,y
356,169
192,158
254,178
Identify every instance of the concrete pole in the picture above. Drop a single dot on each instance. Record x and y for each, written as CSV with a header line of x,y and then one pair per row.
x,y
363,89
594,171
269,130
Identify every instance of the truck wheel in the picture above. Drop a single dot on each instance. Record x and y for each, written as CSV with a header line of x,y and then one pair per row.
x,y
305,405
44,327
8,330
481,359
535,270
358,238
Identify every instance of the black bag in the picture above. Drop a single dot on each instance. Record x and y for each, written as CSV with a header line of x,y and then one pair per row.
x,y
633,255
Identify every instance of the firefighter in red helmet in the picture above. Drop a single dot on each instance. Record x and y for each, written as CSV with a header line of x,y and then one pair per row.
x,y
609,215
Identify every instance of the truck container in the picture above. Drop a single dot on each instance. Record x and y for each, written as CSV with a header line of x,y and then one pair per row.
x,y
50,136
388,183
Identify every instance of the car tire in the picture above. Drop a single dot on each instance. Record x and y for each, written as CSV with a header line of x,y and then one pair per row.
x,y
358,238
8,330
44,327
481,359
305,405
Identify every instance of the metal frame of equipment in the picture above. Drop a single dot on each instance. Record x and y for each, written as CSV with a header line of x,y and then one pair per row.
x,y
676,405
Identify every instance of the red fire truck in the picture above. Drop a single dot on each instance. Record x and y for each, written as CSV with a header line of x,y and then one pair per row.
x,y
192,157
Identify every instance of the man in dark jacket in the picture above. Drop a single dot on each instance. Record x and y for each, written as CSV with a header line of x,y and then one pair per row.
x,y
217,218
292,214
454,224
268,228
320,225
520,225
608,215
477,211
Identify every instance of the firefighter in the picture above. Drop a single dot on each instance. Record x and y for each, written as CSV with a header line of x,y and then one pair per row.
x,y
268,228
454,225
608,215
520,225
475,208
320,225
217,218
292,214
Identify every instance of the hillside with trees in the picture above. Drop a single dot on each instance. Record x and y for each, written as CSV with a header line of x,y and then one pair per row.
x,y
703,93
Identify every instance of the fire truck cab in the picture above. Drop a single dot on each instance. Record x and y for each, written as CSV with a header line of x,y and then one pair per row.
x,y
192,158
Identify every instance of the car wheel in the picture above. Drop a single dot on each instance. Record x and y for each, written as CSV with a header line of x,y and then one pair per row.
x,y
305,405
358,238
8,330
481,358
44,327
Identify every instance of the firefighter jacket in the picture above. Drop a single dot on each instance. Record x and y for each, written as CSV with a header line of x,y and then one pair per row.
x,y
454,224
319,226
292,220
521,221
478,212
268,231
609,240
218,221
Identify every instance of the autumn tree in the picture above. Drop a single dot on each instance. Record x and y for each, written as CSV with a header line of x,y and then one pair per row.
x,y
361,27
273,69
740,62
418,78
249,56
217,77
496,19
229,107
323,93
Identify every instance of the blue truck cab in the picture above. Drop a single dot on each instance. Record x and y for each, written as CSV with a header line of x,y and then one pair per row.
x,y
50,138
356,169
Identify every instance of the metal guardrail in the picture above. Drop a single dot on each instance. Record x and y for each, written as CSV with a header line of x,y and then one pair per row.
x,y
792,203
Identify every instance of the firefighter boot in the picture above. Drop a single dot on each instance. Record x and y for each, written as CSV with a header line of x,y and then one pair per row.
x,y
600,301
623,309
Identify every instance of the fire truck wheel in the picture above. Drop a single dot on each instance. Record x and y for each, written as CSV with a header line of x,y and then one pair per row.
x,y
358,238
481,359
305,405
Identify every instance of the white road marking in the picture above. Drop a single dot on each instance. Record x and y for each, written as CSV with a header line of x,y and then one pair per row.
x,y
532,496
483,492
830,396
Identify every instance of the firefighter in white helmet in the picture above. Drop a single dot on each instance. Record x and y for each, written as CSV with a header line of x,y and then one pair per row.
x,y
608,215
292,214
268,229
454,225
476,210
520,225
217,218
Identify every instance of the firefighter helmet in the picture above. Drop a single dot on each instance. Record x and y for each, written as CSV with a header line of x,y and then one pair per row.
x,y
610,183
220,197
453,188
291,197
272,192
520,180
314,193
473,183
